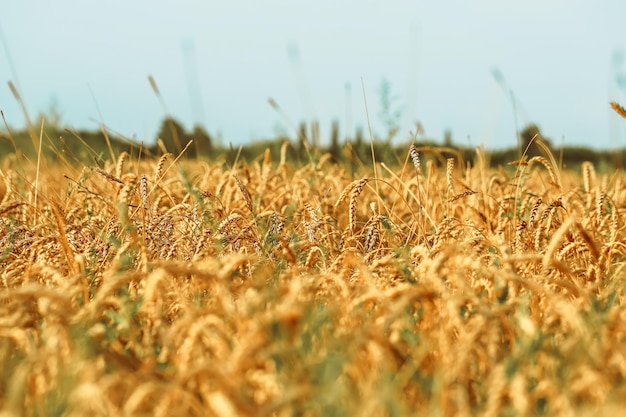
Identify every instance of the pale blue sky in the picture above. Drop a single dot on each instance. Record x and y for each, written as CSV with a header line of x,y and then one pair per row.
x,y
560,58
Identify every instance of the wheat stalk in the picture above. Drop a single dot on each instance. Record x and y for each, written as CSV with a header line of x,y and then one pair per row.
x,y
245,193
618,109
109,177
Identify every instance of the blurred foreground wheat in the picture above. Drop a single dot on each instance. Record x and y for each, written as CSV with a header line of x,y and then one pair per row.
x,y
172,288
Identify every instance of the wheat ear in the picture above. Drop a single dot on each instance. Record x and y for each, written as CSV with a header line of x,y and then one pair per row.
x,y
354,195
108,176
449,172
119,168
543,161
415,157
246,194
618,109
158,172
349,188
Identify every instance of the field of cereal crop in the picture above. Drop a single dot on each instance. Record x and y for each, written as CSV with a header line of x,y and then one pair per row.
x,y
176,287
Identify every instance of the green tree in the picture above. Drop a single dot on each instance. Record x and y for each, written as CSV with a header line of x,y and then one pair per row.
x,y
173,135
532,133
335,148
202,141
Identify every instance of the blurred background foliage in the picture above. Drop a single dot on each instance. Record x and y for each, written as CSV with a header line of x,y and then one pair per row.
x,y
305,145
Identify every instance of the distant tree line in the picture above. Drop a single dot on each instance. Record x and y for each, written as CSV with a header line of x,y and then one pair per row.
x,y
173,137
87,146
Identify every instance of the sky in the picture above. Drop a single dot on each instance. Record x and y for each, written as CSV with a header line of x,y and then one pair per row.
x,y
480,69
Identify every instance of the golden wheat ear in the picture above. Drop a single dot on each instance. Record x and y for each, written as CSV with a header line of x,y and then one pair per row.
x,y
618,109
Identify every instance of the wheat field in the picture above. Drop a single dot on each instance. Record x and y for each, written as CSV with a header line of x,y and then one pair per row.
x,y
172,287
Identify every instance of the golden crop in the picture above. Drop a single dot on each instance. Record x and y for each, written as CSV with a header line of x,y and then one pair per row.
x,y
175,288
